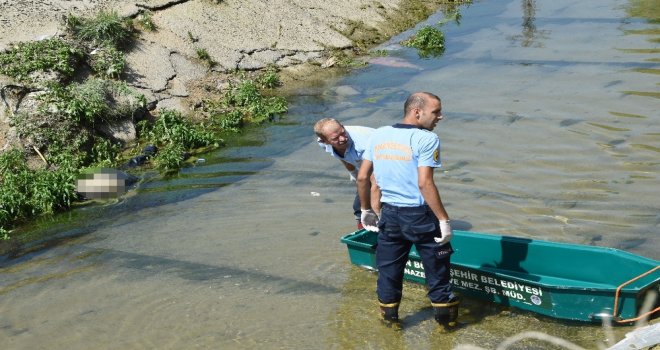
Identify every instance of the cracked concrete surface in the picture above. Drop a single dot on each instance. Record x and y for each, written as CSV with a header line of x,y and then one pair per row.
x,y
237,34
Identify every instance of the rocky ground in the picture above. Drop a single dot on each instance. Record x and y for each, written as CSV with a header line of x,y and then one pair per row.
x,y
237,34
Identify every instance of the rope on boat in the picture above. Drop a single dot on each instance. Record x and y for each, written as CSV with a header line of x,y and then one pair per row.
x,y
616,298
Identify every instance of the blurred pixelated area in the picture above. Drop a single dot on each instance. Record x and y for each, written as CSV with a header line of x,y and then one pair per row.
x,y
102,183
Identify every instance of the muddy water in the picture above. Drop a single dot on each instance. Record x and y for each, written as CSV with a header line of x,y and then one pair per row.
x,y
551,132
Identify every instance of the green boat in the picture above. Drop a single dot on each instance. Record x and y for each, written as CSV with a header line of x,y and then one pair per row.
x,y
560,280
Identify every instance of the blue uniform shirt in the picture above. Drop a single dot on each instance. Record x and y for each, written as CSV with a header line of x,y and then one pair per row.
x,y
358,141
396,152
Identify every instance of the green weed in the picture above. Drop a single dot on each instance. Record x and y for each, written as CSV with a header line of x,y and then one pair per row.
x,y
145,21
203,55
106,28
231,121
54,55
26,193
170,157
174,135
81,102
105,153
172,127
269,78
192,38
107,61
254,107
429,41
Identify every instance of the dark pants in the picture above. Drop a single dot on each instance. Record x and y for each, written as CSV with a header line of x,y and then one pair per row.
x,y
357,211
400,228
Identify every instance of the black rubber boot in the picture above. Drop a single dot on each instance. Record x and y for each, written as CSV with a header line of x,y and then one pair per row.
x,y
446,314
390,312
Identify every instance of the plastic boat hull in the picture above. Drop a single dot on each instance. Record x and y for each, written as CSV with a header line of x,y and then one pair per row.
x,y
560,280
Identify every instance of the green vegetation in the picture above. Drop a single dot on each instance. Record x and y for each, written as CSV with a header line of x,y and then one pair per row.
x,y
69,110
50,55
107,61
192,38
26,193
145,21
105,28
270,79
243,103
429,41
174,135
203,55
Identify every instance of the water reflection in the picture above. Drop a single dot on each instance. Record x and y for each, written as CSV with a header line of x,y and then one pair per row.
x,y
530,36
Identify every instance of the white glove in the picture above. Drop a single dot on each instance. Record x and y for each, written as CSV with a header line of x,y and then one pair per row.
x,y
445,231
369,220
353,175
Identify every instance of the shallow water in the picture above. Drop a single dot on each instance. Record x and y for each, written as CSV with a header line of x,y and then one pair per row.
x,y
550,132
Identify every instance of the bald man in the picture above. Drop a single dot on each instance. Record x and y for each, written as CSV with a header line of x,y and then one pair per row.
x,y
347,144
402,157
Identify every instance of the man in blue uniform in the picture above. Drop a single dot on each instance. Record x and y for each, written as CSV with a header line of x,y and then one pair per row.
x,y
347,144
402,157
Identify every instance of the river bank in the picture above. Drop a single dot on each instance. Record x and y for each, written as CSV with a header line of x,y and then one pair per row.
x,y
181,55
163,64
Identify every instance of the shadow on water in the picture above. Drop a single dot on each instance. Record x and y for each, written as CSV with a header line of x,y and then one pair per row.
x,y
198,272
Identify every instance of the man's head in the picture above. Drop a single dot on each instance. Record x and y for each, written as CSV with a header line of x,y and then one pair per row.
x,y
423,109
331,132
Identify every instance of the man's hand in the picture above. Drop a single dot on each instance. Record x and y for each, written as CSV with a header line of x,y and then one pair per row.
x,y
369,220
445,231
353,175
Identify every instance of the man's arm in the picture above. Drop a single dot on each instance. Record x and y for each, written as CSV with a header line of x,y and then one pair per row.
x,y
375,195
368,218
430,192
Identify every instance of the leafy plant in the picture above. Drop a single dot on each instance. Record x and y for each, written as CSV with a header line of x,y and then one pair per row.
x,y
145,21
230,121
105,153
107,27
80,102
254,107
174,135
52,54
269,79
429,41
242,103
25,193
107,61
170,157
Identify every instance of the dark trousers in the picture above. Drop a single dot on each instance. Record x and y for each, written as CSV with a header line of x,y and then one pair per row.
x,y
357,211
400,228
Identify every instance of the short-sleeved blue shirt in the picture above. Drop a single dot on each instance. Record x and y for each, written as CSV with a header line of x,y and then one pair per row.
x,y
358,142
396,152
